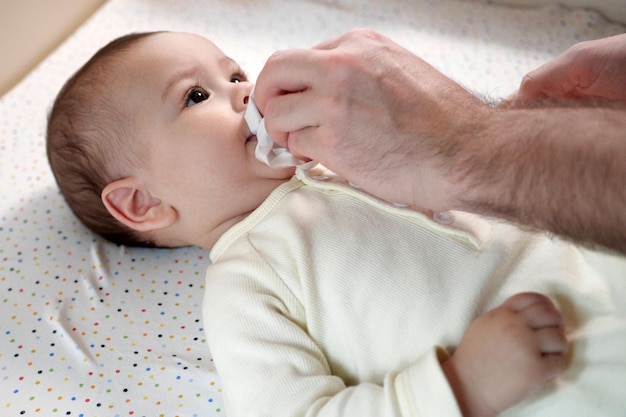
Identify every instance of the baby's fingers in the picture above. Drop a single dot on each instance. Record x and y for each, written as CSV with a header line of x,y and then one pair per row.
x,y
524,300
551,340
552,345
554,364
542,313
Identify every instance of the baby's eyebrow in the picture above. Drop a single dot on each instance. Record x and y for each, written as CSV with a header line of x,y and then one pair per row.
x,y
228,61
177,76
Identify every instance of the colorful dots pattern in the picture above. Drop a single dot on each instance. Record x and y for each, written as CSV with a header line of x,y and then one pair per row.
x,y
89,329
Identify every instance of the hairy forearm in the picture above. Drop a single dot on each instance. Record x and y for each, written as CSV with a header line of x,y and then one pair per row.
x,y
557,169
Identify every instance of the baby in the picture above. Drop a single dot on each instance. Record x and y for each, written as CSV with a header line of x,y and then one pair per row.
x,y
320,299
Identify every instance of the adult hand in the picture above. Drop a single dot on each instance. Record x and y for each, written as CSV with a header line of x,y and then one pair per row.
x,y
371,111
591,69
384,119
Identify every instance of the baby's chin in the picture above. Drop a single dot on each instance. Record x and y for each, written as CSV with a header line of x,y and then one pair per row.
x,y
262,170
284,173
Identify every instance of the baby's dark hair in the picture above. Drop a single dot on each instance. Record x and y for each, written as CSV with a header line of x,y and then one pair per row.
x,y
89,141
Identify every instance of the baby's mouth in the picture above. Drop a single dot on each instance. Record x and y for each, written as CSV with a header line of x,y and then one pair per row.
x,y
252,138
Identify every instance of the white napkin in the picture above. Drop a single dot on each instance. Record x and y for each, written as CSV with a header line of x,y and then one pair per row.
x,y
267,151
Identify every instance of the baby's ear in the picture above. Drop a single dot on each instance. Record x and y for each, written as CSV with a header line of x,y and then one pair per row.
x,y
135,207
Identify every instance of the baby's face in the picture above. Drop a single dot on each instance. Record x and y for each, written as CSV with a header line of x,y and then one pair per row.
x,y
188,101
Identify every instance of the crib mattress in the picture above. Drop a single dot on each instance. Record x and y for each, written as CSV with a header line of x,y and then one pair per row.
x,y
88,328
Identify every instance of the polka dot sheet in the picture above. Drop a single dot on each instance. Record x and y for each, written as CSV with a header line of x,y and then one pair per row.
x,y
91,329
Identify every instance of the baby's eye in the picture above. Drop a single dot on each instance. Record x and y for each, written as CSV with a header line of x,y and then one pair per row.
x,y
195,96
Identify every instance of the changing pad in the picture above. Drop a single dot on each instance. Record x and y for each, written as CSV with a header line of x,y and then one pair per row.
x,y
88,328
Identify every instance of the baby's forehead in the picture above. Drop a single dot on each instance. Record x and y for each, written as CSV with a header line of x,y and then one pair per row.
x,y
160,53
180,43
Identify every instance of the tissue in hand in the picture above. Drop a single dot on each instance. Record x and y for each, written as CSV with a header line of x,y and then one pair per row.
x,y
266,150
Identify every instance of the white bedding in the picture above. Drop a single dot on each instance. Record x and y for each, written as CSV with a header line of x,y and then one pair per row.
x,y
91,329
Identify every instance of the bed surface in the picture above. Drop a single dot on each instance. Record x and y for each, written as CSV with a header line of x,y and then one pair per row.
x,y
91,329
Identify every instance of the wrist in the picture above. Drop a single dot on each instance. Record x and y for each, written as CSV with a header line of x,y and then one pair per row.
x,y
471,404
470,145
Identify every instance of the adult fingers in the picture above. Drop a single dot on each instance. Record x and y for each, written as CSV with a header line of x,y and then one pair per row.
x,y
549,80
304,143
287,71
297,70
290,113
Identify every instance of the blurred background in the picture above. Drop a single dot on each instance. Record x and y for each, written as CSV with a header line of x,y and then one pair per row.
x,y
31,29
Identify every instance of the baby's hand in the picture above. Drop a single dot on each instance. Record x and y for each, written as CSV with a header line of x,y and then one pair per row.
x,y
507,354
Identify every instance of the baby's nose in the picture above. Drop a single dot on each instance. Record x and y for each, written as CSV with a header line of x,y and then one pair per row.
x,y
242,96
